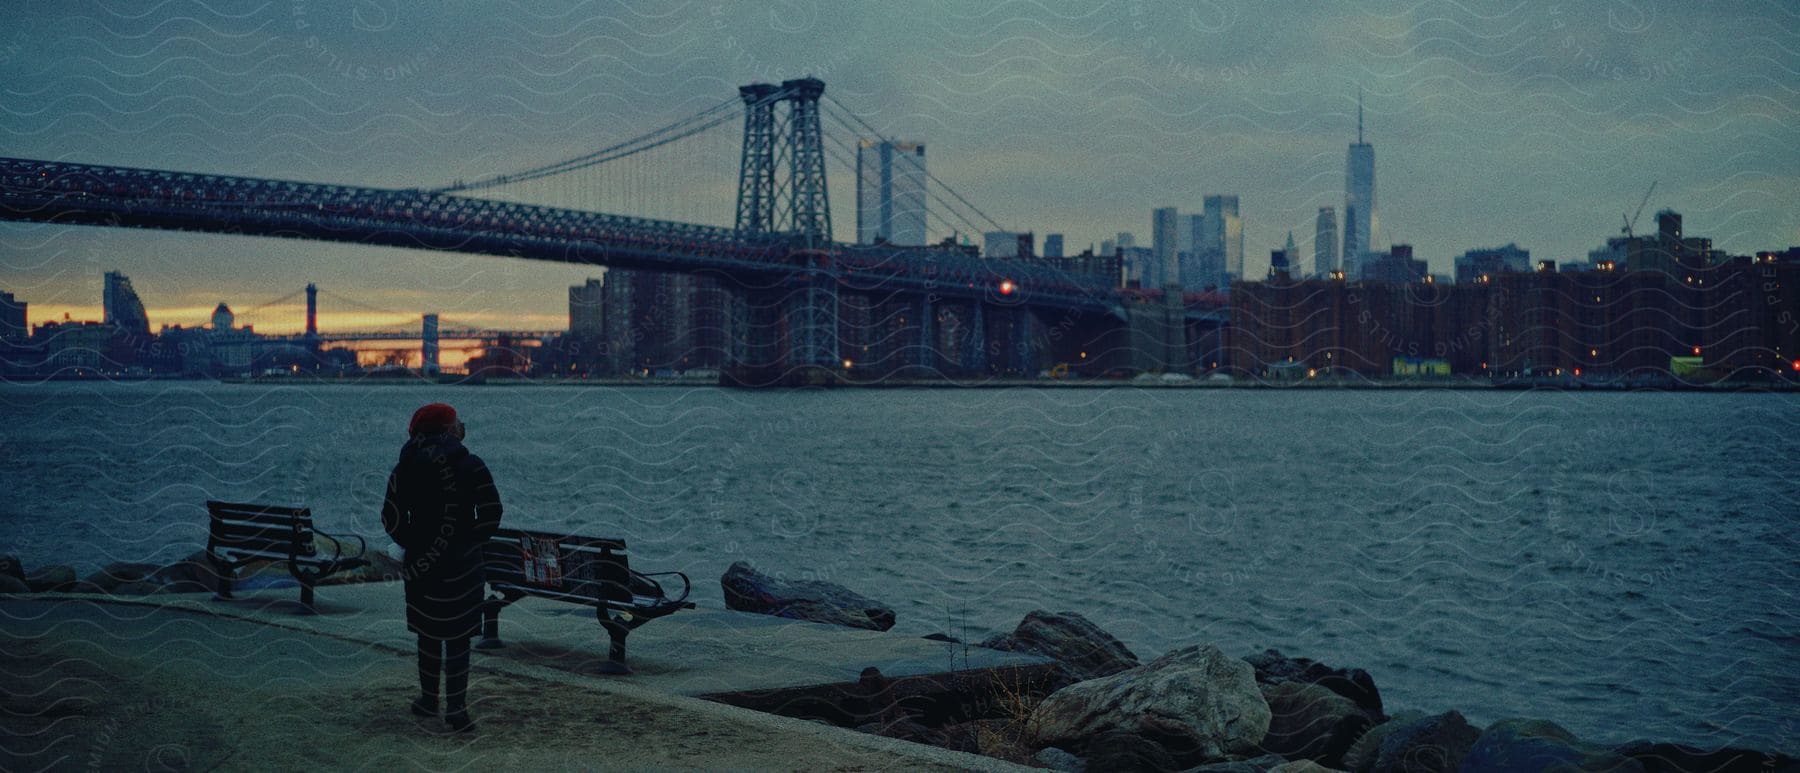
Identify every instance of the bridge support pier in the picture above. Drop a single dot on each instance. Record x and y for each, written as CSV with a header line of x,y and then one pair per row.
x,y
784,334
1159,335
925,356
974,349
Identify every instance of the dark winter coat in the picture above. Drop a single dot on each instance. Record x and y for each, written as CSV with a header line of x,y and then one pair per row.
x,y
441,506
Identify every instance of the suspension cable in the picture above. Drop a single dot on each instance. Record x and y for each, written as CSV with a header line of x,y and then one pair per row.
x,y
973,227
872,130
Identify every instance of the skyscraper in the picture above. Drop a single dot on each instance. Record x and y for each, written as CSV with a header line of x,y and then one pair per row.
x,y
120,305
1362,224
1164,229
890,192
1325,244
1053,245
1221,233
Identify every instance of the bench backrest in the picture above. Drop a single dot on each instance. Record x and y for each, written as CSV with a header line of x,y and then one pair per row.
x,y
542,563
261,531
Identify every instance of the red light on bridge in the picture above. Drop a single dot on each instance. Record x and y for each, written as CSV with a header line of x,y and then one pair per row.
x,y
1797,366
1007,287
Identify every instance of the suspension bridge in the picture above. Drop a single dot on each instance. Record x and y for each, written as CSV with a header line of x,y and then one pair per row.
x,y
796,300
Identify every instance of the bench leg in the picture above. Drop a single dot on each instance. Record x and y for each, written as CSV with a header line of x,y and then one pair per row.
x,y
224,571
615,653
306,595
490,625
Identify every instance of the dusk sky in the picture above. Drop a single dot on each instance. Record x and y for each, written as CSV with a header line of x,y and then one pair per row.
x,y
1533,123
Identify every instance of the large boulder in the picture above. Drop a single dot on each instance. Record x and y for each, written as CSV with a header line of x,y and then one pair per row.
x,y
1435,744
1361,756
1300,766
1081,649
1310,722
1197,702
51,578
748,590
1676,758
1058,759
119,573
1272,668
1535,746
1118,750
11,584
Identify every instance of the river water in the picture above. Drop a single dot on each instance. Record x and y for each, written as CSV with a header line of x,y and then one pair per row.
x,y
1623,564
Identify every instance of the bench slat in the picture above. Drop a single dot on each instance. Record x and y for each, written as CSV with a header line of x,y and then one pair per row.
x,y
567,541
248,510
262,538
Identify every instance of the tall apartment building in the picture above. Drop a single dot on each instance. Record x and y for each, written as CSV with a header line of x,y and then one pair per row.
x,y
120,305
890,192
1221,237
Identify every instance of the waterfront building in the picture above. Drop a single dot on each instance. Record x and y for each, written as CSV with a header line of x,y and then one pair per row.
x,y
222,318
1053,245
1490,261
890,192
76,347
587,309
1669,250
120,306
1362,224
1325,244
14,320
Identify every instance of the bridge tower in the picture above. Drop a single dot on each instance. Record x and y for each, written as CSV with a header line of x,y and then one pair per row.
x,y
789,328
756,173
428,346
312,311
805,209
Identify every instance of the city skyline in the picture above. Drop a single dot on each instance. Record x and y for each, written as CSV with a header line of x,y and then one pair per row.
x,y
1481,121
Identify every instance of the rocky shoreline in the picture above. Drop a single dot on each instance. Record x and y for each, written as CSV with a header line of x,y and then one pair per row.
x,y
1198,709
1097,706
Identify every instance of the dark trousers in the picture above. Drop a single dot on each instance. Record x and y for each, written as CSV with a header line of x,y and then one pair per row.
x,y
451,658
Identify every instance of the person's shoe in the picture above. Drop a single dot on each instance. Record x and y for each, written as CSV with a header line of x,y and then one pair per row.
x,y
459,721
424,707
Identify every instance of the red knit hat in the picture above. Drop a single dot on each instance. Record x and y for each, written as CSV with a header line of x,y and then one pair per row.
x,y
431,419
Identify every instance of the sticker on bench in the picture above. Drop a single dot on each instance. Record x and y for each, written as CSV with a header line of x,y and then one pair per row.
x,y
542,561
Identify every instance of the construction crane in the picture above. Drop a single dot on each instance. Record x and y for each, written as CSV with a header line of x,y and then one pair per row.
x,y
1632,220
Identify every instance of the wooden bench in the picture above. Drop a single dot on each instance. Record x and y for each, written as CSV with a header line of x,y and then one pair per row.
x,y
580,570
241,534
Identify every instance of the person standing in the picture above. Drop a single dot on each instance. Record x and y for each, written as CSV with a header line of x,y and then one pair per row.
x,y
441,507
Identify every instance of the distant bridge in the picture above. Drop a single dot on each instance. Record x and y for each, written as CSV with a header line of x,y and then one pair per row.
x,y
789,283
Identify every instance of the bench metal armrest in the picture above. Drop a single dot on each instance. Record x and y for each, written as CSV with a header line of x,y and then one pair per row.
x,y
686,587
337,550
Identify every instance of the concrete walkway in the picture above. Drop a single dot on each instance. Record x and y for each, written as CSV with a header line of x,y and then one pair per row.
x,y
255,683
